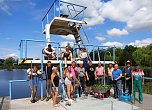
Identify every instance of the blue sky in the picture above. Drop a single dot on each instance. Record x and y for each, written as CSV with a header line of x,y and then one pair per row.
x,y
114,22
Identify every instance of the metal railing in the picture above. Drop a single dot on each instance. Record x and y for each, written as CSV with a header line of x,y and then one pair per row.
x,y
55,11
15,81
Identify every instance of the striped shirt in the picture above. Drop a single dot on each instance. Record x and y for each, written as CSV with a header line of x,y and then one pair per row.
x,y
138,73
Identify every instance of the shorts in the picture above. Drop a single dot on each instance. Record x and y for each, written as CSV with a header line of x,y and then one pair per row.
x,y
90,82
67,81
55,89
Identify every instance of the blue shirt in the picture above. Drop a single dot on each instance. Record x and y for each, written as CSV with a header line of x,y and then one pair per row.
x,y
116,73
127,71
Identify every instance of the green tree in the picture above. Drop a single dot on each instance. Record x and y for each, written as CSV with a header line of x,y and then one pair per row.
x,y
143,56
127,55
9,63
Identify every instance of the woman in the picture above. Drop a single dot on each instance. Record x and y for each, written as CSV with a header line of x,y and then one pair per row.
x,y
67,55
68,82
55,83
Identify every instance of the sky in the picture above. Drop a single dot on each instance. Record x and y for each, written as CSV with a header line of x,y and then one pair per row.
x,y
110,23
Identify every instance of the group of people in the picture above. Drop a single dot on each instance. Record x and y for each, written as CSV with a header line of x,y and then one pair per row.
x,y
83,76
133,78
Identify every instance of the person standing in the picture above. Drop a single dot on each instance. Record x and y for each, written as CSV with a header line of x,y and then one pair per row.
x,y
55,84
48,72
100,73
81,77
116,77
138,81
83,55
33,74
90,76
110,70
127,77
68,78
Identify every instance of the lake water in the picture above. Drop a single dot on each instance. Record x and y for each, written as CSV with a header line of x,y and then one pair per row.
x,y
19,89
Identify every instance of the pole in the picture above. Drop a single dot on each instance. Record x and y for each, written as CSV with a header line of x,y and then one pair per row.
x,y
47,29
42,78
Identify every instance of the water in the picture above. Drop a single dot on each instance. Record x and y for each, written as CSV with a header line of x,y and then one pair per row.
x,y
19,89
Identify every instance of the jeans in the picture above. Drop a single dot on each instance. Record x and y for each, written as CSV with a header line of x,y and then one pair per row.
x,y
85,63
100,80
33,92
117,88
108,80
82,83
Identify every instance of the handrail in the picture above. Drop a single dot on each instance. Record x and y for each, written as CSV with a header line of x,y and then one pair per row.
x,y
48,10
13,81
72,4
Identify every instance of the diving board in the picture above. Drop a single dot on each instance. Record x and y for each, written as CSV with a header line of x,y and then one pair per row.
x,y
61,25
58,61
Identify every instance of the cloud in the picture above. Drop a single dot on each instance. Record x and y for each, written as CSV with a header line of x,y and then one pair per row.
x,y
117,32
92,13
100,38
141,43
117,44
7,5
136,14
4,7
68,37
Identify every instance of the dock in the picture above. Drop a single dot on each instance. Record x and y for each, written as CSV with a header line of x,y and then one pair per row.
x,y
89,103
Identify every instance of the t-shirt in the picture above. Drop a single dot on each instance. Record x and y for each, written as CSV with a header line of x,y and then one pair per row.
x,y
48,72
127,71
81,72
73,70
116,73
99,71
90,71
110,70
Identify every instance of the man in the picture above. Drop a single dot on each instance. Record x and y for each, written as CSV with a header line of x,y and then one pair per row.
x,y
33,74
100,73
49,52
116,77
48,72
67,55
81,76
138,81
110,70
91,77
127,77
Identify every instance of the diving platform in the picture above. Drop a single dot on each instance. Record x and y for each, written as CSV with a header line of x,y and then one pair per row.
x,y
61,25
58,61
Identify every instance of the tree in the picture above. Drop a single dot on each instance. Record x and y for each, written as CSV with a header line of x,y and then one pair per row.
x,y
9,63
127,54
143,56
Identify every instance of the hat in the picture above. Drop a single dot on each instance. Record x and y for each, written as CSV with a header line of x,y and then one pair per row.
x,y
128,62
136,64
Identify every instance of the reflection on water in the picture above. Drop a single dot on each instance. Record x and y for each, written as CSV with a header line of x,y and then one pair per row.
x,y
20,89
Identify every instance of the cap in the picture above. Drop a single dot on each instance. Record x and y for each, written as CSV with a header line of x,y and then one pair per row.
x,y
136,64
